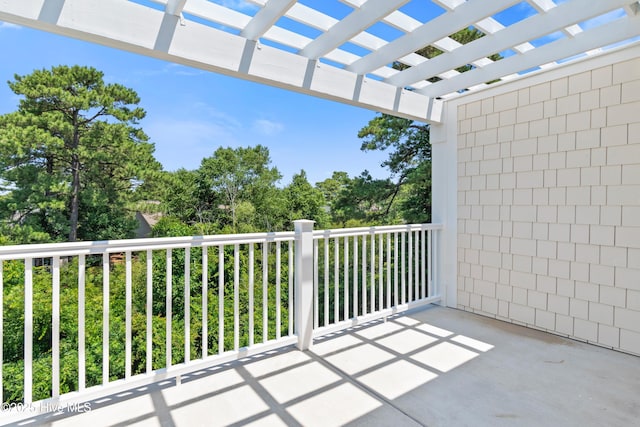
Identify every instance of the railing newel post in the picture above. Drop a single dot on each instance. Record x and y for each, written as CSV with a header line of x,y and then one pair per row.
x,y
303,291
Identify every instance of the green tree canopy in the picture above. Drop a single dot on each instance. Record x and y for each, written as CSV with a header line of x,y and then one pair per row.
x,y
306,202
408,190
178,194
233,179
409,162
365,200
71,154
331,187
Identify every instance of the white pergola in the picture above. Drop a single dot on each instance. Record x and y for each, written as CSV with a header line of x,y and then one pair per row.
x,y
301,46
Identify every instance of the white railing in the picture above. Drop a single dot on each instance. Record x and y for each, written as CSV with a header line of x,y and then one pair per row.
x,y
361,274
78,320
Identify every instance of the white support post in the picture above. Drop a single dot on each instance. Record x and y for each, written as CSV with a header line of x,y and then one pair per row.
x,y
149,313
251,292
1,329
444,146
303,294
82,371
28,330
55,329
105,317
205,301
187,304
128,300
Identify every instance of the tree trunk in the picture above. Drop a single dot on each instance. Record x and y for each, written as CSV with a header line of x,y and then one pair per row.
x,y
75,199
75,183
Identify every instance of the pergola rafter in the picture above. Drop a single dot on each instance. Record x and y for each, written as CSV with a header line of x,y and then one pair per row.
x,y
545,6
529,29
356,22
604,35
265,18
347,57
437,29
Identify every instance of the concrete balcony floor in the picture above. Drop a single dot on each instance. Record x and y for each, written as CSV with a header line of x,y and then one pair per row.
x,y
436,366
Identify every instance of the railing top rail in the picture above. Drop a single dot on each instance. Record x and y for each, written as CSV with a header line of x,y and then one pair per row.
x,y
382,229
134,245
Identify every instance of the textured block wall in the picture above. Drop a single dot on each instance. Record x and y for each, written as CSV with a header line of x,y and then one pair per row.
x,y
549,206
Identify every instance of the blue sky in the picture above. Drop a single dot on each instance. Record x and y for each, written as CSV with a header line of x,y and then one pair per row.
x,y
190,113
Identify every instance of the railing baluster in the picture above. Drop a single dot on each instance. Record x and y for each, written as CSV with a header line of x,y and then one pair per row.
x,y
290,290
364,274
127,299
81,322
187,304
346,278
416,266
336,280
372,303
326,281
236,297
251,289
278,291
169,307
423,270
1,329
220,299
380,273
429,271
438,290
265,291
55,329
105,318
82,369
396,297
403,276
28,330
410,265
388,270
205,301
149,331
355,276
316,294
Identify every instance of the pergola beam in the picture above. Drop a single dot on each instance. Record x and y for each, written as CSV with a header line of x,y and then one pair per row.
x,y
143,30
428,33
356,22
604,35
528,29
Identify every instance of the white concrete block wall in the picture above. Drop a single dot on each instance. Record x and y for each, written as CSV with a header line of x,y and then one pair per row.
x,y
549,205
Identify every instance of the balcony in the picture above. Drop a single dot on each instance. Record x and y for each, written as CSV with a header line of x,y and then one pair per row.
x,y
88,319
535,182
347,334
